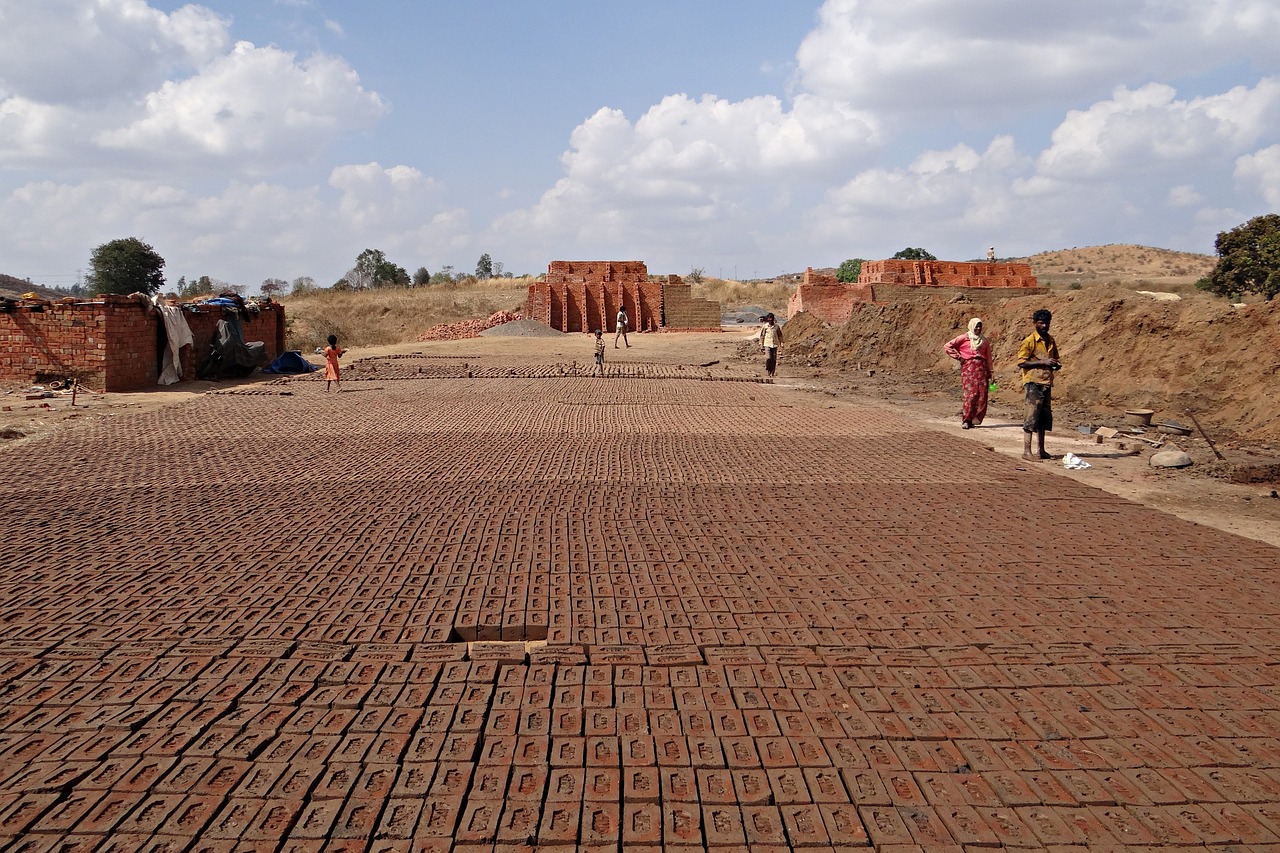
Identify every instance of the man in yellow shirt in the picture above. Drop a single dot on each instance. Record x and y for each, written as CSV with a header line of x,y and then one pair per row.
x,y
1038,360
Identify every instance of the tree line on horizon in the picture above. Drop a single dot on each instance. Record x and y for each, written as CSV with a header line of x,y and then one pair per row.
x,y
1248,263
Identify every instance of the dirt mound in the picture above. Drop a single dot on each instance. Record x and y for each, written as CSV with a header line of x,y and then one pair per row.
x,y
1120,350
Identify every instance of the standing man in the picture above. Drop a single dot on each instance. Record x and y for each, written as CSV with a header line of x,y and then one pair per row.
x,y
1038,360
991,254
621,331
770,340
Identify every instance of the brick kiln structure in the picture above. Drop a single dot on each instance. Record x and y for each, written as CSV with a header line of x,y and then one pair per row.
x,y
580,296
896,280
114,343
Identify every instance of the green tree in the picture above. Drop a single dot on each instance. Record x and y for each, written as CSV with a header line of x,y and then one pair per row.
x,y
909,254
125,266
421,278
1248,259
849,270
372,269
484,266
273,287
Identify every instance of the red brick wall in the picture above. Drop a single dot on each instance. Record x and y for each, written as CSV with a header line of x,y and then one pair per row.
x,y
113,343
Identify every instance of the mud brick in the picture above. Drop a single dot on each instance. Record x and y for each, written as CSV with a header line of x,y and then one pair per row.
x,y
637,750
1085,787
788,785
272,821
49,776
1226,823
677,784
722,826
880,754
665,721
498,750
565,721
715,786
1154,787
460,746
413,780
103,817
452,779
1086,825
1195,787
601,783
641,823
1165,823
602,752
845,752
1049,825
681,824
1048,788
439,817
317,819
1125,826
560,822
706,751
640,784
762,723
671,750
966,826
519,822
825,785
567,751
1123,789
809,751
1242,785
479,823
601,824
64,813
866,787
525,783
294,783
884,826
565,784
902,788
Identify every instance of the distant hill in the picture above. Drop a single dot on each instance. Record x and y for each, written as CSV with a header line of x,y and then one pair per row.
x,y
1122,263
15,287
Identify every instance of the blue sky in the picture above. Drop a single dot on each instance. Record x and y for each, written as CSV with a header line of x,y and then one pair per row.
x,y
279,138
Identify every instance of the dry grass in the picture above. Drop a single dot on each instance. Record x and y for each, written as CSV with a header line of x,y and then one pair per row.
x,y
772,295
393,315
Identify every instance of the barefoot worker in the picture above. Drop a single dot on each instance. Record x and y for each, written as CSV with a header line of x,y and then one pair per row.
x,y
1038,360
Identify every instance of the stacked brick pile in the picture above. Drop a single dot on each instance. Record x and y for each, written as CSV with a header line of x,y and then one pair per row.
x,y
581,296
467,328
827,298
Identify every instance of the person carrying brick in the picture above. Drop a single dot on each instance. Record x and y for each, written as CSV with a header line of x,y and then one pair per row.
x,y
331,371
599,352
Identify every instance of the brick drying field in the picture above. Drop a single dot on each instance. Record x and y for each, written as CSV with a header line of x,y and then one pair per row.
x,y
481,606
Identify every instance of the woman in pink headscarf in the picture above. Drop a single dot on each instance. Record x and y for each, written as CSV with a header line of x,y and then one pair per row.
x,y
973,351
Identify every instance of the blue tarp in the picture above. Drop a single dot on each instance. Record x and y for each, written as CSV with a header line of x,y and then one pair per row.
x,y
290,362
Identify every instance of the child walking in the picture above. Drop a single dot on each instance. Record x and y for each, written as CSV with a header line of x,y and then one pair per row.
x,y
331,371
599,352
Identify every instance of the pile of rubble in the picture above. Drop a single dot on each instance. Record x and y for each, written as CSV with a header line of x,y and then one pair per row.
x,y
467,328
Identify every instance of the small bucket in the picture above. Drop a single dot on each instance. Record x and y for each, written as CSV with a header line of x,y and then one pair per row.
x,y
1139,417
